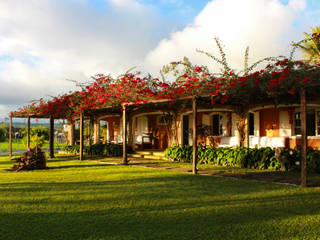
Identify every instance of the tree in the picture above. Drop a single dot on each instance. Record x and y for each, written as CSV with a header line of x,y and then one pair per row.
x,y
3,132
310,46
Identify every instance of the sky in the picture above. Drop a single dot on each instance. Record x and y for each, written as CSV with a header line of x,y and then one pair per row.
x,y
46,43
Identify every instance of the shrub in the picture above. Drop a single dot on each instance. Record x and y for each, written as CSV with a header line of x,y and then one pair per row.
x,y
99,149
3,132
38,136
179,153
37,141
313,161
71,149
258,158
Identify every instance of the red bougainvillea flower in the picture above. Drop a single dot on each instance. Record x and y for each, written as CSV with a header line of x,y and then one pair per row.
x,y
197,69
291,91
273,83
306,80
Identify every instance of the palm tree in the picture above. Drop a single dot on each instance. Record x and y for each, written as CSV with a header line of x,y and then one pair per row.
x,y
310,46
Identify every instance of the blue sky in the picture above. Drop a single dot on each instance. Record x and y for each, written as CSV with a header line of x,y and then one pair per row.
x,y
43,43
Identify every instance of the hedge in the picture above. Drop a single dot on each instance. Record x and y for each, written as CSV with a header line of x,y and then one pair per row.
x,y
99,149
258,158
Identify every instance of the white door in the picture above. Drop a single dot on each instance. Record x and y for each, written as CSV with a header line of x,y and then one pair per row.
x,y
142,123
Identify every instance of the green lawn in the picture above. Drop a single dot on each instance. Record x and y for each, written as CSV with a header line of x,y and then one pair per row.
x,y
18,144
90,200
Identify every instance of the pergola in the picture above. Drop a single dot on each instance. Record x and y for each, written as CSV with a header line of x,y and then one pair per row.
x,y
278,82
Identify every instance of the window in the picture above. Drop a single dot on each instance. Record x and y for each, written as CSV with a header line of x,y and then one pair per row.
x,y
216,125
251,124
311,123
297,124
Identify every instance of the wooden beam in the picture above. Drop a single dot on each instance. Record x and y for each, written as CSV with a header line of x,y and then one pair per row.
x,y
194,142
304,138
164,100
51,137
81,136
28,134
10,136
124,135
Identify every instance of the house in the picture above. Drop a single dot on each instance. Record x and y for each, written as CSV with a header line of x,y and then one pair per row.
x,y
157,127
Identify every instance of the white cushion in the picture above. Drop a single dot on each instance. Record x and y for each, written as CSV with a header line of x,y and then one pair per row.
x,y
228,141
273,142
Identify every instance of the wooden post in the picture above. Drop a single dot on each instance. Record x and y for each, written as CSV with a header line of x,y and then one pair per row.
x,y
248,130
304,138
51,137
72,134
81,136
194,128
10,136
28,134
90,127
96,131
124,135
130,137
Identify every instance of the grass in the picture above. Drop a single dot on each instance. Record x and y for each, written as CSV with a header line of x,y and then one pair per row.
x,y
18,144
291,177
90,200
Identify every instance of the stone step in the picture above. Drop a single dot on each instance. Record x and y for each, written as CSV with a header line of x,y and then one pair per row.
x,y
154,157
144,153
161,154
135,155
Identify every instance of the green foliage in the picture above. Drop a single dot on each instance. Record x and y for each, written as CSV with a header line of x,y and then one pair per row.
x,y
99,149
313,161
310,46
256,158
37,141
40,131
109,149
3,132
38,136
179,153
71,149
227,71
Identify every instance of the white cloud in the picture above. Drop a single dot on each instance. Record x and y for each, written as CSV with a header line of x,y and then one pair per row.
x,y
49,41
45,42
263,25
4,111
298,4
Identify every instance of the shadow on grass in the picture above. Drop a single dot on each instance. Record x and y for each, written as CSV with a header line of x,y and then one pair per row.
x,y
291,177
6,162
64,158
168,207
79,166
